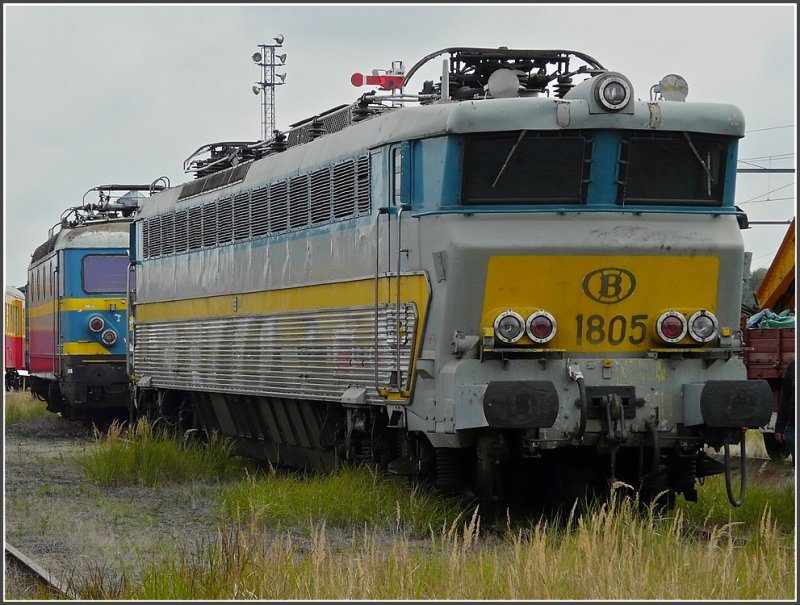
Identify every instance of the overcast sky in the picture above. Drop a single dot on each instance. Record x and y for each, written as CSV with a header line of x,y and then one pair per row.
x,y
100,94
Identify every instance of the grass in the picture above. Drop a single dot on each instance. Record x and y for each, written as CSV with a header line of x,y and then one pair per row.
x,y
21,405
610,552
366,536
348,496
713,506
147,455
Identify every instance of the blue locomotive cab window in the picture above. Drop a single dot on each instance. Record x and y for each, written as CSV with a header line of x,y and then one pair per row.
x,y
525,167
105,273
673,169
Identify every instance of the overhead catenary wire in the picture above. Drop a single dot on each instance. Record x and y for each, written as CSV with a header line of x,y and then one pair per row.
x,y
770,128
756,198
774,199
774,156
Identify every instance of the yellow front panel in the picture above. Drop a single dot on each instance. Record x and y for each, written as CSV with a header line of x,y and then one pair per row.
x,y
601,303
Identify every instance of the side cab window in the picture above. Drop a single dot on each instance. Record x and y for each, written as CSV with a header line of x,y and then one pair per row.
x,y
400,173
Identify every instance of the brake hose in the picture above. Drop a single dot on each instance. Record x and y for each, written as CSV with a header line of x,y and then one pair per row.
x,y
743,479
578,377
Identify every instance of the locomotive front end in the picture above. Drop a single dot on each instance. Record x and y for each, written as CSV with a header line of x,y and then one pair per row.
x,y
594,267
624,354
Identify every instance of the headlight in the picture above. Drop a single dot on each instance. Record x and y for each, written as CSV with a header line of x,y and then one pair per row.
x,y
613,93
96,323
671,326
541,327
509,326
109,337
703,326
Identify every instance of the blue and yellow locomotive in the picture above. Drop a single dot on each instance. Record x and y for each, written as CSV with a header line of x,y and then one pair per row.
x,y
77,307
510,282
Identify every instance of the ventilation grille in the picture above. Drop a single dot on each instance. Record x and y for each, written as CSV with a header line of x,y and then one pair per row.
x,y
333,122
304,354
333,193
218,180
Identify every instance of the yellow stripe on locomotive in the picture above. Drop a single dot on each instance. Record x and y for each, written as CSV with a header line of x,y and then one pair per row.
x,y
600,303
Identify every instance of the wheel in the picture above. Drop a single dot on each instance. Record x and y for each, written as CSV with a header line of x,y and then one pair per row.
x,y
775,450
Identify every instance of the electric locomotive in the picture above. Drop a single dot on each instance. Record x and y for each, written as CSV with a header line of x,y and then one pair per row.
x,y
14,333
77,307
521,280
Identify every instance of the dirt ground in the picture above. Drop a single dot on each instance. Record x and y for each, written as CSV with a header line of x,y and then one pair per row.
x,y
75,528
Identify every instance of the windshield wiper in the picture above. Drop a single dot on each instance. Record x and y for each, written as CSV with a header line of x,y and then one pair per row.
x,y
700,159
510,153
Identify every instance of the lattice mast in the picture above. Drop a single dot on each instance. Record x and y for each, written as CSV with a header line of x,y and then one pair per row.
x,y
266,59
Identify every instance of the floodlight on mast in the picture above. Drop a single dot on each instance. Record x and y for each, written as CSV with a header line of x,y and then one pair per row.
x,y
266,86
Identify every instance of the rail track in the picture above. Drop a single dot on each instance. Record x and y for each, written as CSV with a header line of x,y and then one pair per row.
x,y
39,576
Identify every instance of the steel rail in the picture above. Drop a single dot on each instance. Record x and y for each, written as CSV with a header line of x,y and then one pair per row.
x,y
40,574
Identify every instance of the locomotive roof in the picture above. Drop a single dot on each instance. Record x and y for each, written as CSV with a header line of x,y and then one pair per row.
x,y
375,120
110,234
15,293
90,224
491,115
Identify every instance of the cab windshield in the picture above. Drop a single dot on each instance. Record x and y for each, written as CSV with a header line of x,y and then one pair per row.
x,y
104,273
525,167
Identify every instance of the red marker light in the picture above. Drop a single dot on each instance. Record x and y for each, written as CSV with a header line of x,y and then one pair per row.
x,y
671,326
386,82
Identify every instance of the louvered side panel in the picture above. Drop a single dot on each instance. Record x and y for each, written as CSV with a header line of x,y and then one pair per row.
x,y
181,230
241,216
259,212
225,221
146,238
321,202
278,207
168,233
298,202
314,355
209,224
154,225
363,186
195,228
344,189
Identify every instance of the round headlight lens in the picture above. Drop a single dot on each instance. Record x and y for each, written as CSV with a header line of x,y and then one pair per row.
x,y
109,337
509,326
703,326
541,327
614,93
671,326
96,323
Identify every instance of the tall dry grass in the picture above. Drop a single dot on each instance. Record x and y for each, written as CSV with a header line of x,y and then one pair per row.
x,y
611,552
21,405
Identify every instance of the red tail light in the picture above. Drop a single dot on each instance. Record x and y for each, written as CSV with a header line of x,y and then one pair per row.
x,y
96,323
671,326
541,327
